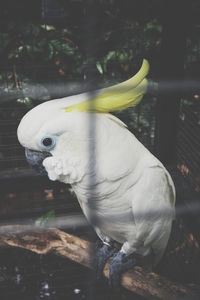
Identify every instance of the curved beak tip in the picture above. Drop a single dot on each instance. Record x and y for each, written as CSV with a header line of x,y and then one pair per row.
x,y
35,159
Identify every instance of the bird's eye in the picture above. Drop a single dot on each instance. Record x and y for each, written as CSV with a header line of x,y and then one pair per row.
x,y
47,143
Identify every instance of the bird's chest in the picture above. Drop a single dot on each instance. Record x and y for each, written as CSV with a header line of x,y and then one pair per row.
x,y
111,216
107,207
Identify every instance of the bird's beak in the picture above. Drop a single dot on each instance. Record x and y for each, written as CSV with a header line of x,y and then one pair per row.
x,y
35,159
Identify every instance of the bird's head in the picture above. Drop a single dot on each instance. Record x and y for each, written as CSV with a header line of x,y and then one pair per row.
x,y
48,131
57,127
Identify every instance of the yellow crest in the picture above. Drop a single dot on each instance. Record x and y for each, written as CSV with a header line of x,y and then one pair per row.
x,y
117,97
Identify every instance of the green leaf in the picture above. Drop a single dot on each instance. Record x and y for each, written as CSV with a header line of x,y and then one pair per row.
x,y
123,57
152,25
56,44
66,49
20,49
65,32
50,51
45,219
111,54
99,67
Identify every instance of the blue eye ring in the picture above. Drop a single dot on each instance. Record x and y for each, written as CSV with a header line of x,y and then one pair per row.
x,y
47,142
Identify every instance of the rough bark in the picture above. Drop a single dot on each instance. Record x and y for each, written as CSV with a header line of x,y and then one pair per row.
x,y
42,241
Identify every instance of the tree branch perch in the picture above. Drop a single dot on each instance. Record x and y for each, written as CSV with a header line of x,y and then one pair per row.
x,y
42,241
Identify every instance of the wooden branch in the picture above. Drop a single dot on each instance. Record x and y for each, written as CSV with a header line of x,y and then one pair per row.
x,y
42,241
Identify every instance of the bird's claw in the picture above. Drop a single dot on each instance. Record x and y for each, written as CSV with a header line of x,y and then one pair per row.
x,y
103,252
119,264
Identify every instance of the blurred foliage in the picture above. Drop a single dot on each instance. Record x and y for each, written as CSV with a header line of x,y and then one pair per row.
x,y
97,44
34,49
91,44
103,41
45,219
95,40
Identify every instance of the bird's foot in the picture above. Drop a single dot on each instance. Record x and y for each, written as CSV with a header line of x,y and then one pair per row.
x,y
103,252
119,264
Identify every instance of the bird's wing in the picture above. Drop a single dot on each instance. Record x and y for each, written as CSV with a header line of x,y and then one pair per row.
x,y
153,207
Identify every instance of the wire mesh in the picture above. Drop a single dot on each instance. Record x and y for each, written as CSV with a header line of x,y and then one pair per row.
x,y
26,201
188,142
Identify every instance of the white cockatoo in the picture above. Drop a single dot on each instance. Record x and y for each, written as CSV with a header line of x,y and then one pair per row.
x,y
124,191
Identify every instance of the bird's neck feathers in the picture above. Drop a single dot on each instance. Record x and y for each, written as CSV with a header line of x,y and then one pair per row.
x,y
110,155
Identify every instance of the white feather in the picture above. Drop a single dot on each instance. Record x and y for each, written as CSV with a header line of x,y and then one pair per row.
x,y
118,182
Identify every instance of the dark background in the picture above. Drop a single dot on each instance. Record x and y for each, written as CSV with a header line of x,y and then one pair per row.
x,y
51,49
